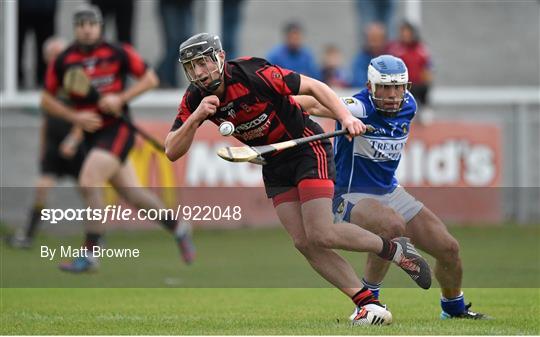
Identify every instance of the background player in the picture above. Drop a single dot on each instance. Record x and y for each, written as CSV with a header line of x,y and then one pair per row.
x,y
107,139
256,97
367,191
60,155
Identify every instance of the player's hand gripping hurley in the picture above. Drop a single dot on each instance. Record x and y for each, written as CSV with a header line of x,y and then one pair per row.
x,y
255,153
76,82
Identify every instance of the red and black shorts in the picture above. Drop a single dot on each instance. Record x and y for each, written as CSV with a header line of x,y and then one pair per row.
x,y
117,138
301,174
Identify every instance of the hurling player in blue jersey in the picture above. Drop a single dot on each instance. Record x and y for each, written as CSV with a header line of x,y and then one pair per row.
x,y
368,193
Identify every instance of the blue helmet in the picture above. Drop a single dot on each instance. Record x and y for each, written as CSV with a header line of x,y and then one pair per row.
x,y
388,70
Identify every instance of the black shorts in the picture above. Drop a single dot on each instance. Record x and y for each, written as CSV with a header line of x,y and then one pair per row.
x,y
52,162
310,161
117,138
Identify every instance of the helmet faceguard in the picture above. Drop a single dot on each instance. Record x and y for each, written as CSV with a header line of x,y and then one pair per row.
x,y
88,13
388,76
202,51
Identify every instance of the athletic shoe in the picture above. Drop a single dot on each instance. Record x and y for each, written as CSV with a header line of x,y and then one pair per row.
x,y
467,314
79,265
408,259
371,314
19,241
184,239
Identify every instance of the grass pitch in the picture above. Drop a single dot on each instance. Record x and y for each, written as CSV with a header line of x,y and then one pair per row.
x,y
253,282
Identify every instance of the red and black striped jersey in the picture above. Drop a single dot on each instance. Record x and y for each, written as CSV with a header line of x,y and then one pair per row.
x,y
108,66
257,100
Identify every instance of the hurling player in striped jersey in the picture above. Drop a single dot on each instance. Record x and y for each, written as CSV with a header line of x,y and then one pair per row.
x,y
256,97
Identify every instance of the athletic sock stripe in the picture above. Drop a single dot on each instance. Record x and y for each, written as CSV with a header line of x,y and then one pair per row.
x,y
360,298
371,285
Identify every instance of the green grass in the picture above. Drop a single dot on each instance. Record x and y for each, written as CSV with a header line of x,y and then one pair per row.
x,y
252,312
254,282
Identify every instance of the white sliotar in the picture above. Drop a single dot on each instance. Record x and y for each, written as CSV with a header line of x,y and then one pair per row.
x,y
226,128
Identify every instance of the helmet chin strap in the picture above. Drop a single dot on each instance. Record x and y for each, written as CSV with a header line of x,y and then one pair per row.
x,y
213,85
86,48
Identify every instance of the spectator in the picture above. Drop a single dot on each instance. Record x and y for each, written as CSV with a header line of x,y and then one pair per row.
x,y
332,71
292,54
414,53
122,11
232,12
37,17
375,44
370,11
177,23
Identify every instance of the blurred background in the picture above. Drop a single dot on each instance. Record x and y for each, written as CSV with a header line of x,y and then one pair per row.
x,y
476,66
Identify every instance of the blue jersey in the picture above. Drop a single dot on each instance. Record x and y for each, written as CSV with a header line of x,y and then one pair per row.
x,y
369,162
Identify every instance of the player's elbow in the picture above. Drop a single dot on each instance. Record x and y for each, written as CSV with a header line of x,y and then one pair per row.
x,y
172,154
173,151
170,151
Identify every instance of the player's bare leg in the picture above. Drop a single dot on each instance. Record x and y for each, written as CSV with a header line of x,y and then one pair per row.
x,y
429,233
43,185
333,268
24,237
329,264
320,230
98,167
373,216
127,184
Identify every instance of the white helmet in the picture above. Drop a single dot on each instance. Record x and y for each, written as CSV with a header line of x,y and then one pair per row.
x,y
387,70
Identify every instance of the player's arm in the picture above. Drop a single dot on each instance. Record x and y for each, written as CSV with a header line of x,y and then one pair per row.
x,y
179,141
113,103
87,120
70,144
147,82
328,98
313,107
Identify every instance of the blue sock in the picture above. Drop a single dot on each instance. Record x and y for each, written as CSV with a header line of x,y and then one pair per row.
x,y
453,306
374,287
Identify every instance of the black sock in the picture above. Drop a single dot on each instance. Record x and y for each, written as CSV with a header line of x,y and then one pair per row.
x,y
35,218
388,249
169,224
92,240
363,297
